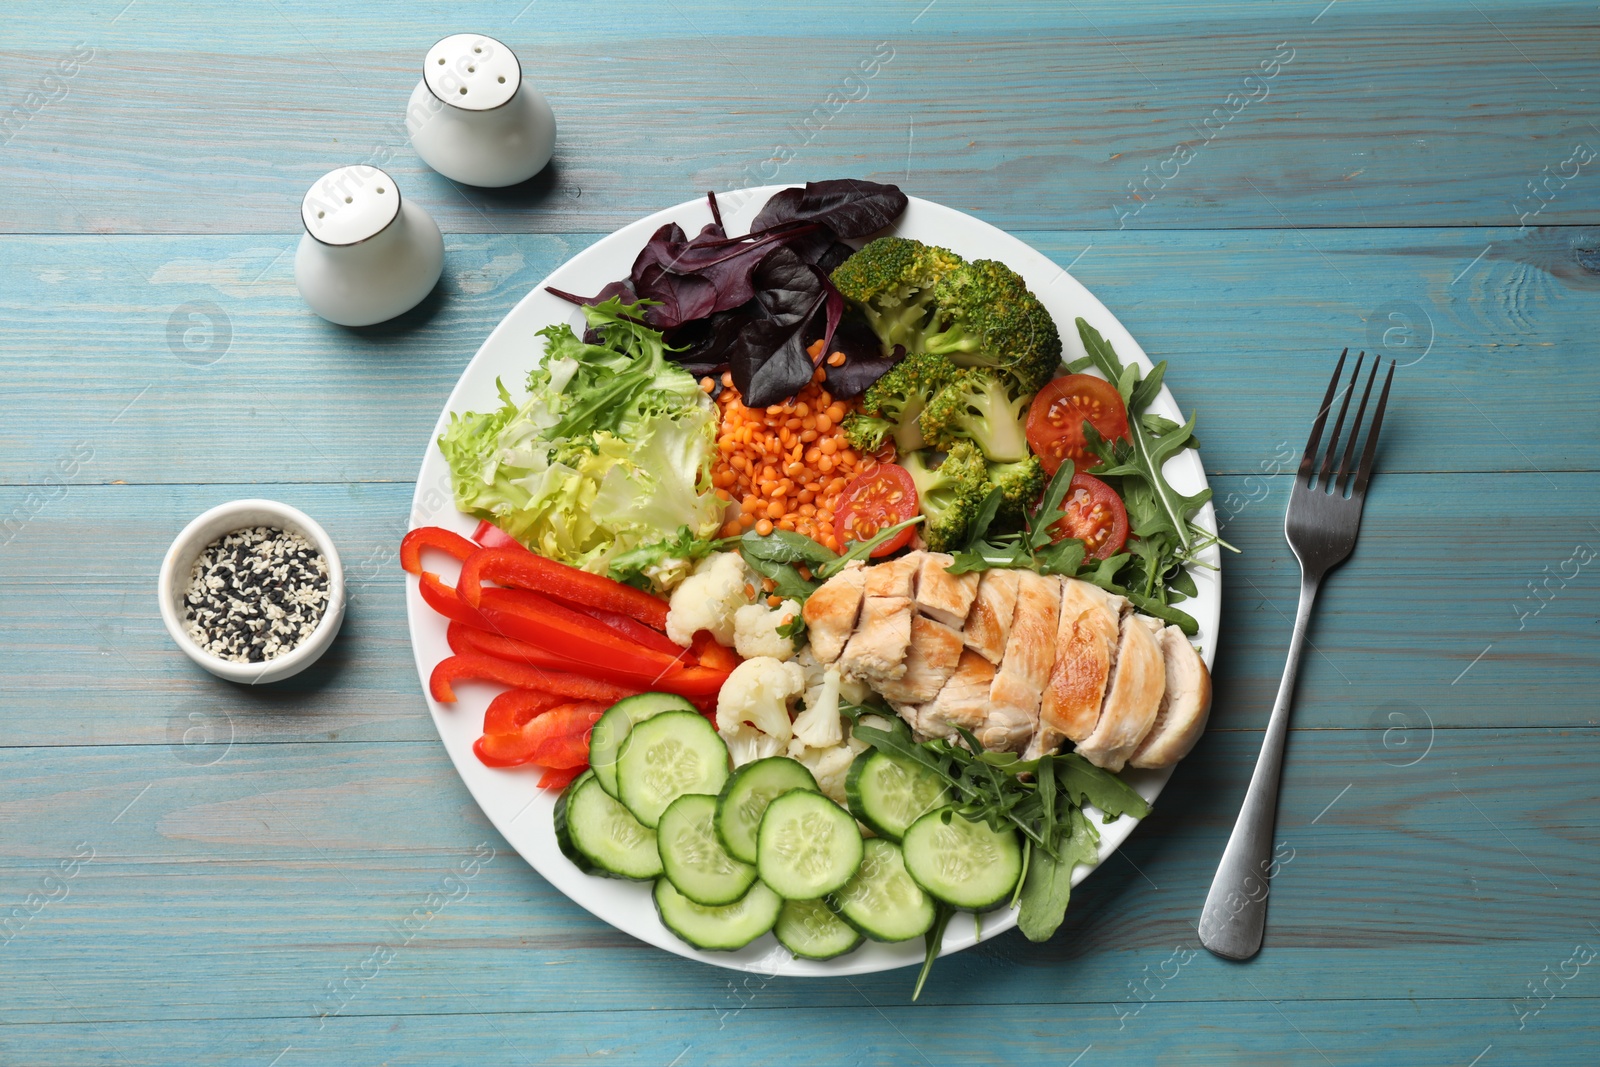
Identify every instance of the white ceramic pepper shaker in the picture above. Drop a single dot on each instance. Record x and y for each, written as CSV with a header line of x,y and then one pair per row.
x,y
366,256
473,120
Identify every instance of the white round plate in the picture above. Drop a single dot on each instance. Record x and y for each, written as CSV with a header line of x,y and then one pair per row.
x,y
523,813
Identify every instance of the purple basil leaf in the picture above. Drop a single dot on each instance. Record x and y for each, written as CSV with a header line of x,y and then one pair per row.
x,y
683,297
833,309
704,344
849,207
769,363
833,257
768,359
864,360
622,288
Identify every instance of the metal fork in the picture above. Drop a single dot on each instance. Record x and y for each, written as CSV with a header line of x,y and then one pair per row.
x,y
1321,527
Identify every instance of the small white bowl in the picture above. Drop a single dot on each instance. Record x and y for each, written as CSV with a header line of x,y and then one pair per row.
x,y
225,518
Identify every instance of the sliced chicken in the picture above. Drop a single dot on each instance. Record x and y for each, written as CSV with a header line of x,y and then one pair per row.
x,y
1086,649
831,612
1181,717
942,596
1014,697
897,577
1138,681
964,700
876,652
989,621
930,661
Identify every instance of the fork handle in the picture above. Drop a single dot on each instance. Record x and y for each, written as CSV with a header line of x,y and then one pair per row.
x,y
1236,907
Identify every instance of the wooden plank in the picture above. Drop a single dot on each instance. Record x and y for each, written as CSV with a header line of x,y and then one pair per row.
x,y
207,365
1402,630
1262,1034
1045,117
239,889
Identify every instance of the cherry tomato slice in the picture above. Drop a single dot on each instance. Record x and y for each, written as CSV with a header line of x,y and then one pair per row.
x,y
874,501
1056,418
1094,514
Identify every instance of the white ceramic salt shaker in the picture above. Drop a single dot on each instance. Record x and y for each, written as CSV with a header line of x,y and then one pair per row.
x,y
366,256
473,120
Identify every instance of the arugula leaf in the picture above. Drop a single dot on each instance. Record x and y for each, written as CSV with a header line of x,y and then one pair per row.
x,y
1149,451
786,580
794,629
1047,885
784,546
1087,784
861,549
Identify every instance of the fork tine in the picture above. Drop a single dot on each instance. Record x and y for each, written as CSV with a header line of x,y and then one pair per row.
x,y
1338,424
1364,474
1307,460
1346,472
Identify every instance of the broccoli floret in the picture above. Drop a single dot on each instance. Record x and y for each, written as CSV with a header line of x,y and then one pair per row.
x,y
986,317
977,406
948,491
866,433
899,396
892,280
1020,483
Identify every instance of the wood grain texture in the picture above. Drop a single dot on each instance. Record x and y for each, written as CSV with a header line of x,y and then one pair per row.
x,y
1033,115
193,359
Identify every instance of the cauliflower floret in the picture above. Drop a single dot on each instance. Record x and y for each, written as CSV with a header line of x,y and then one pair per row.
x,y
753,708
755,630
829,766
708,599
819,725
850,690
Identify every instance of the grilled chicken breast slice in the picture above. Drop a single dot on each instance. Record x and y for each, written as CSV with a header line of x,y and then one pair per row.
x,y
1181,716
876,652
989,621
1086,649
942,596
897,577
964,700
1138,681
831,612
931,659
1014,697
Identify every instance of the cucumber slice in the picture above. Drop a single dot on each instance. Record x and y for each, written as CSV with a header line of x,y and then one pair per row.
x,y
809,930
889,793
692,858
719,929
881,900
612,729
807,846
666,756
746,796
601,836
963,863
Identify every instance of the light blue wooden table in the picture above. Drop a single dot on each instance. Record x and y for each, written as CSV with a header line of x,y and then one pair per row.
x,y
194,873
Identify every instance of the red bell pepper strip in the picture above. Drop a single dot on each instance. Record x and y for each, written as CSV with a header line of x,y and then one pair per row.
x,y
557,739
412,544
526,570
708,652
442,598
513,709
491,536
464,637
634,630
633,668
560,779
475,666
537,619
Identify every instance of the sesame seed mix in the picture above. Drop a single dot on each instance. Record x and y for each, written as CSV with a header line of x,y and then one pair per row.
x,y
255,594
